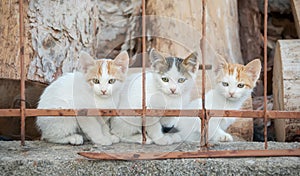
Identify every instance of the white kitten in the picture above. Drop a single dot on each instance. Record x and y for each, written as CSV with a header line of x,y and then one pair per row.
x,y
235,83
98,85
168,86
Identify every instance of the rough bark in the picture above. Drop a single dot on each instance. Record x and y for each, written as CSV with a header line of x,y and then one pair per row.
x,y
9,39
250,26
58,33
56,30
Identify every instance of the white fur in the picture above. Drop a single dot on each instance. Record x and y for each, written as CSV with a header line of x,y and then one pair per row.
x,y
218,98
72,91
158,96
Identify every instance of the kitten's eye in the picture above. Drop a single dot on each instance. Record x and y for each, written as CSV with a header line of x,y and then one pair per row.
x,y
181,80
225,84
111,81
165,79
240,85
96,81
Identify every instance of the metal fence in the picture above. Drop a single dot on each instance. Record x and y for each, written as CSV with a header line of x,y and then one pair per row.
x,y
203,113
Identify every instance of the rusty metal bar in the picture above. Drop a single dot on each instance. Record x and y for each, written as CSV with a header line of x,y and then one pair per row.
x,y
143,71
265,71
196,154
152,112
204,124
22,66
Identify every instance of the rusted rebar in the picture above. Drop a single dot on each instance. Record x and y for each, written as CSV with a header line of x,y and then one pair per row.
x,y
204,119
152,113
22,75
265,72
195,154
143,71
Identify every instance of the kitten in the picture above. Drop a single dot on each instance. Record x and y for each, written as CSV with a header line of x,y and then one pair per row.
x,y
168,86
97,85
235,83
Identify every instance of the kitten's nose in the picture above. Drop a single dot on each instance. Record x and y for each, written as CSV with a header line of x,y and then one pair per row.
x,y
103,92
172,90
231,94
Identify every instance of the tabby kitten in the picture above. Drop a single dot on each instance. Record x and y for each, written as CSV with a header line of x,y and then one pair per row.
x,y
234,84
97,85
168,86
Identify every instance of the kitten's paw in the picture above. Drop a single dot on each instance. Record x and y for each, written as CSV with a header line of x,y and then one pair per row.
x,y
75,139
103,141
226,138
223,138
114,139
165,140
148,141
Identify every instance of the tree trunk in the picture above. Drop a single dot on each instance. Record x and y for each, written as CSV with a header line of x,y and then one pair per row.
x,y
54,36
250,25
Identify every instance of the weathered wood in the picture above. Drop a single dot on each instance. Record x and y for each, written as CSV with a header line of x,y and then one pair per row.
x,y
9,39
10,98
286,87
175,26
296,12
55,35
250,26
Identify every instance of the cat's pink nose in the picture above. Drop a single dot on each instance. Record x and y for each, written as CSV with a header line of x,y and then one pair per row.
x,y
172,90
103,92
231,94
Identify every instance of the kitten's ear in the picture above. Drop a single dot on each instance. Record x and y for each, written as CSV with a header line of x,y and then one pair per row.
x,y
158,61
122,60
85,61
253,68
219,64
191,62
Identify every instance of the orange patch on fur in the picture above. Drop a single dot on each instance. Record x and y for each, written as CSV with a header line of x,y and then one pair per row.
x,y
96,71
241,74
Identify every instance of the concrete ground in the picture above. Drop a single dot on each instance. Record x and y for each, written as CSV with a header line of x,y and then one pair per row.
x,y
41,158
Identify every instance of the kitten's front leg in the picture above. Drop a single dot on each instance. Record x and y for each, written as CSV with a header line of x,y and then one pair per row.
x,y
93,130
106,130
215,131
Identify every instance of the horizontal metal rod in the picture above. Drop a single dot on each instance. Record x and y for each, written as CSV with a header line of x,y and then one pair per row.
x,y
207,67
152,112
196,154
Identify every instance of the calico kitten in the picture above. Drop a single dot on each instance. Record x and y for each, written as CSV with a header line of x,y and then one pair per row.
x,y
97,85
234,84
168,86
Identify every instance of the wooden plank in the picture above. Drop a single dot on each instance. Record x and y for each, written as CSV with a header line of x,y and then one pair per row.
x,y
296,12
286,88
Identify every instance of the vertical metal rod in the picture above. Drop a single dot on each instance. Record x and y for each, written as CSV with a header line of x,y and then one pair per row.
x,y
204,124
143,71
22,65
265,72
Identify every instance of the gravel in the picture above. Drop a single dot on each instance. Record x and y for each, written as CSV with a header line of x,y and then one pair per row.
x,y
41,158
